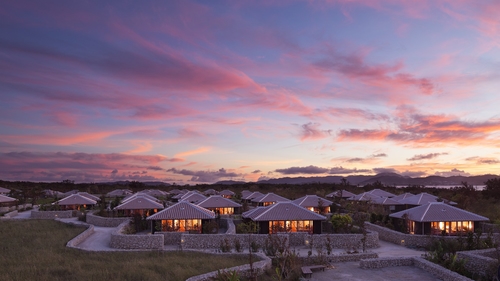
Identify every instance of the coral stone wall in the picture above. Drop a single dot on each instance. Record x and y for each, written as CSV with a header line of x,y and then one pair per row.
x,y
79,238
243,270
51,214
413,240
435,269
480,262
211,241
11,214
92,218
124,241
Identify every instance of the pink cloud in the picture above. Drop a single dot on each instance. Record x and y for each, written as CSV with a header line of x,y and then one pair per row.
x,y
311,131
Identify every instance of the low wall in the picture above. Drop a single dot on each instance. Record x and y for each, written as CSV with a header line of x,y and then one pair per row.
x,y
11,214
243,270
4,209
211,241
438,271
92,218
345,241
51,214
435,269
385,262
480,262
337,258
413,240
129,241
79,238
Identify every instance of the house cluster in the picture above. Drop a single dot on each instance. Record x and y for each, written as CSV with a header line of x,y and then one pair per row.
x,y
421,213
190,210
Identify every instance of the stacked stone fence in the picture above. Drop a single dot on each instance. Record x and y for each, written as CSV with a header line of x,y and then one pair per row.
x,y
51,214
243,270
335,258
10,214
16,207
211,241
414,240
490,227
435,269
73,243
481,262
129,241
96,220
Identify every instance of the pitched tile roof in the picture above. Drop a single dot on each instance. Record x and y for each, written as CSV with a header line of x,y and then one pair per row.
x,y
193,197
4,190
423,198
183,211
312,201
227,192
381,193
217,201
438,211
270,197
282,211
402,196
118,192
245,193
134,195
210,192
5,199
365,196
89,196
76,199
344,193
252,195
175,191
154,192
139,202
385,201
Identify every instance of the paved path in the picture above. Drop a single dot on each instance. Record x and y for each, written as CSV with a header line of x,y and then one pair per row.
x,y
99,240
350,271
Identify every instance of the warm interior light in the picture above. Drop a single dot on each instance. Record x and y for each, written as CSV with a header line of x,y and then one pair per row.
x,y
441,225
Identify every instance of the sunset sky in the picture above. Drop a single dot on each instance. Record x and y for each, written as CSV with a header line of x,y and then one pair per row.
x,y
202,91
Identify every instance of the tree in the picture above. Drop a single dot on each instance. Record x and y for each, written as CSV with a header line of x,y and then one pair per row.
x,y
492,188
341,223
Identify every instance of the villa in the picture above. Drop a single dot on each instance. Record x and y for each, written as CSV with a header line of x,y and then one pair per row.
x,y
437,218
285,217
381,193
421,199
314,203
343,194
139,205
220,205
268,199
4,191
118,193
226,193
182,217
75,202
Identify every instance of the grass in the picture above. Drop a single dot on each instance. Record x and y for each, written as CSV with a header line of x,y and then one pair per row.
x,y
36,250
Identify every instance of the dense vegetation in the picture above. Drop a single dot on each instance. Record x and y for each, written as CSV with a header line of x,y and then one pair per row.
x,y
35,250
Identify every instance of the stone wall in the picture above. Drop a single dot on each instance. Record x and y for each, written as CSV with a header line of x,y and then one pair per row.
x,y
435,269
345,241
344,257
79,238
438,271
413,240
96,220
480,262
129,241
213,241
11,214
243,270
51,214
385,262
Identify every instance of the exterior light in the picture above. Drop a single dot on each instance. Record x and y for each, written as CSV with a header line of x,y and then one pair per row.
x,y
403,242
307,242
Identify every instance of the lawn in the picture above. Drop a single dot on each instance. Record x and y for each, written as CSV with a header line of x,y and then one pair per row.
x,y
36,250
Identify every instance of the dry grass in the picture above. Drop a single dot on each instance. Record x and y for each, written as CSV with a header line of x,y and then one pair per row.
x,y
35,250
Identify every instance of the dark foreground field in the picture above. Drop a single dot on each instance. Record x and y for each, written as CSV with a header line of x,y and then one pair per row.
x,y
35,250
